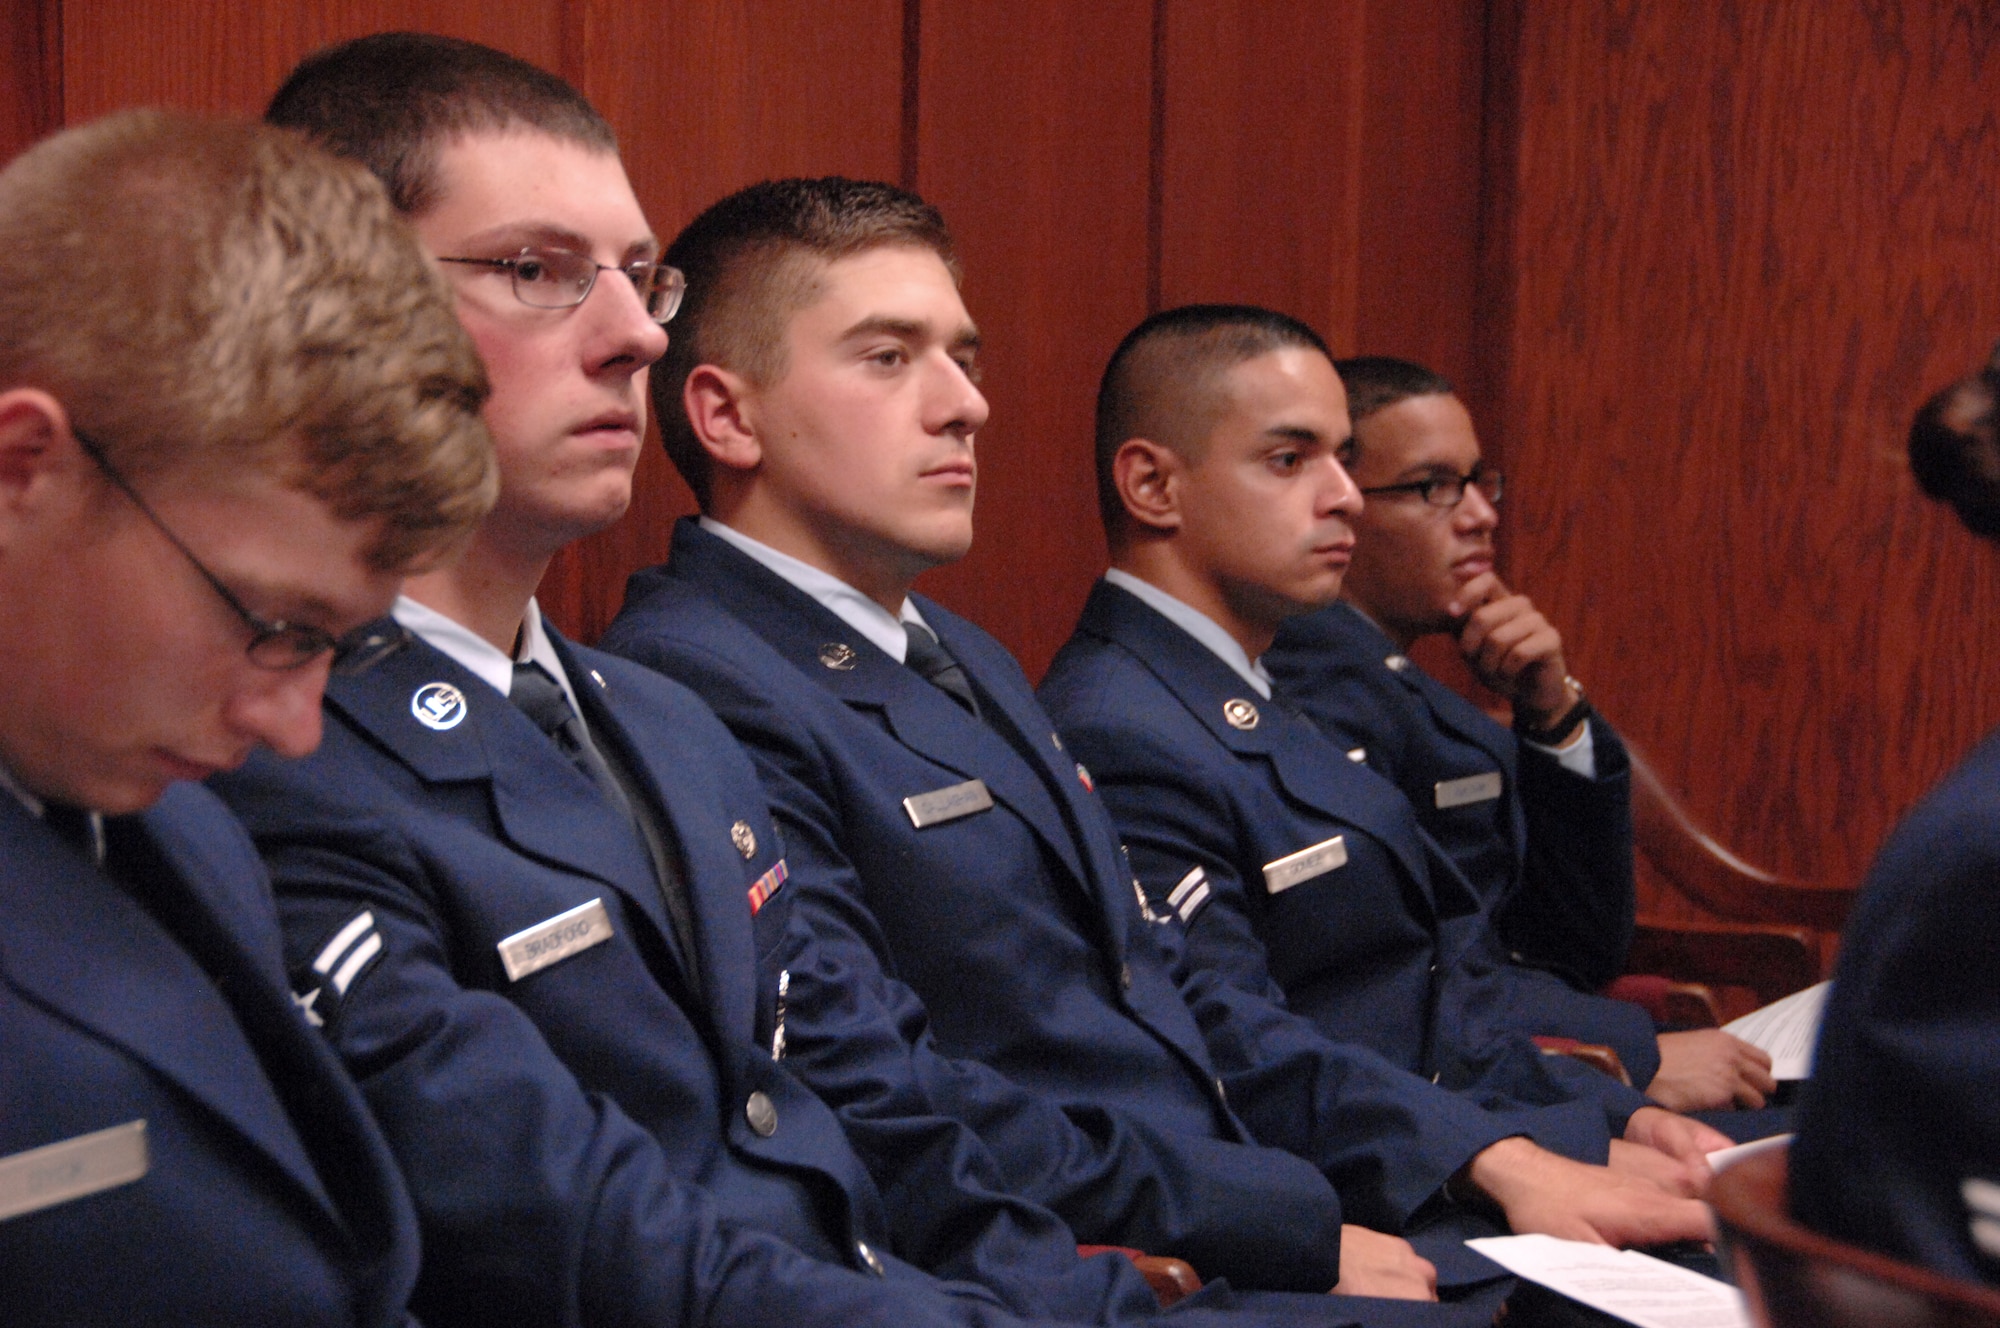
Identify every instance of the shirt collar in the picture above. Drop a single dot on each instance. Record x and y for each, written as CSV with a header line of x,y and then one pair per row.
x,y
478,655
1197,625
852,607
27,799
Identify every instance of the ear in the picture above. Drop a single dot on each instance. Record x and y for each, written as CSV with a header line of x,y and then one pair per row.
x,y
35,442
718,406
1148,477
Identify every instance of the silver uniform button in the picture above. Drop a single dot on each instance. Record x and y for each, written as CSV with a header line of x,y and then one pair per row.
x,y
1125,974
1221,1092
871,1258
838,656
762,1114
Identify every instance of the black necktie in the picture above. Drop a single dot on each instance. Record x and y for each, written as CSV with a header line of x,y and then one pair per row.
x,y
542,699
935,664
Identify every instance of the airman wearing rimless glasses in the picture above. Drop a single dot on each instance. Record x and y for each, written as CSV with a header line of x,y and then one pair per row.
x,y
205,499
1538,820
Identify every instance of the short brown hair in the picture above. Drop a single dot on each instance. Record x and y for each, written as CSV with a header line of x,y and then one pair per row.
x,y
391,100
1160,383
752,261
205,296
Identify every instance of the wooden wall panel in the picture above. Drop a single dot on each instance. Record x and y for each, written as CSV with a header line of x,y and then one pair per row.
x,y
30,73
1417,176
1033,138
230,57
1262,120
726,93
1746,241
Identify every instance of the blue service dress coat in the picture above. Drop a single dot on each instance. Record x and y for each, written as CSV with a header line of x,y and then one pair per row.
x,y
605,1139
1898,1144
1283,861
1547,852
268,1196
1013,918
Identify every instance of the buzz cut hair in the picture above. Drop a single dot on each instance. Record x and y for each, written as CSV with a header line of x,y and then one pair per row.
x,y
753,261
1377,382
207,298
1161,383
391,101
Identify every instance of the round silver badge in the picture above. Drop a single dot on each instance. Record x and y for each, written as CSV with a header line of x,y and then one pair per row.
x,y
838,655
1240,713
744,838
438,705
1396,663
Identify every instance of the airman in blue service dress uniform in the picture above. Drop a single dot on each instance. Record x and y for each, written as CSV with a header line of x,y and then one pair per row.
x,y
1539,819
965,879
1223,796
177,1144
1898,1145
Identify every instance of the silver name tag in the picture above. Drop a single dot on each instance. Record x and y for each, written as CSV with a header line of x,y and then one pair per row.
x,y
1473,788
56,1173
1305,864
557,939
947,804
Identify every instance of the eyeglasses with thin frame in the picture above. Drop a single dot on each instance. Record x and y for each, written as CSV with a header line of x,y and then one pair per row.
x,y
561,279
1449,490
273,645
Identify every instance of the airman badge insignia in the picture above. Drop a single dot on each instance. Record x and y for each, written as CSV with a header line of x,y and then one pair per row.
x,y
837,655
438,705
744,838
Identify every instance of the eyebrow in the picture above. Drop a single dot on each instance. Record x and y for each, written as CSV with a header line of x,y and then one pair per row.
x,y
908,329
543,235
1300,433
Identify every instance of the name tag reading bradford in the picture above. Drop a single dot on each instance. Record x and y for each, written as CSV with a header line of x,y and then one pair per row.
x,y
557,939
1305,864
947,804
1473,788
56,1173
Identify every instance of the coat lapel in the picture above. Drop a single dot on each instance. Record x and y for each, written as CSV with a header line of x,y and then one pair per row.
x,y
698,825
545,807
1309,768
75,941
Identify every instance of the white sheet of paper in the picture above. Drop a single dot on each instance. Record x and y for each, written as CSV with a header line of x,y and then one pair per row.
x,y
1634,1287
1729,1157
1787,1029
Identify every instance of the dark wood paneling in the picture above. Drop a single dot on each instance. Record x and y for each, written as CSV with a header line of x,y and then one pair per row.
x,y
1418,178
30,73
1746,241
1034,119
1262,121
727,93
229,55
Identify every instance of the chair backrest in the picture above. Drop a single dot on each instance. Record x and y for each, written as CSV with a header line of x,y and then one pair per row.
x,y
1794,1277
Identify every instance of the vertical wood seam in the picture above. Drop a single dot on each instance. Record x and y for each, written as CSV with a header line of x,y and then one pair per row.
x,y
913,47
1156,168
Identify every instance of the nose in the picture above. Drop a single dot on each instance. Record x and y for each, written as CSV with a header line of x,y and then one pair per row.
x,y
1475,514
1339,493
956,405
625,337
280,707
